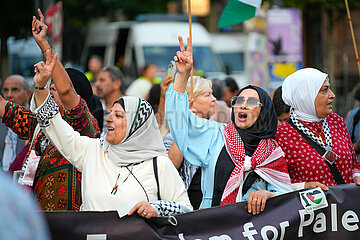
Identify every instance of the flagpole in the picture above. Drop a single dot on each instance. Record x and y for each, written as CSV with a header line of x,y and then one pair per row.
x,y
190,34
352,35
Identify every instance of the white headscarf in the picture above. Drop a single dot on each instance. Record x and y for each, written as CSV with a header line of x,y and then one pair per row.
x,y
299,91
142,140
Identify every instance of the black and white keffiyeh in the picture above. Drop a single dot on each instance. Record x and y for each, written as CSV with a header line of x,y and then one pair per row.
x,y
168,208
328,140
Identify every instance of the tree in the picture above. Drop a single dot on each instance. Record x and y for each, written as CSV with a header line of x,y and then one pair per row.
x,y
133,7
15,20
316,13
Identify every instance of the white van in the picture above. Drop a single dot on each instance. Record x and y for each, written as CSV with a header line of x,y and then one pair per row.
x,y
232,50
142,42
244,57
22,55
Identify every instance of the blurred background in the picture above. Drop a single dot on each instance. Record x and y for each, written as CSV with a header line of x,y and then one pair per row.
x,y
285,35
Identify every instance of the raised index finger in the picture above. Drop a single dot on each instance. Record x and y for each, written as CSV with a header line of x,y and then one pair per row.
x,y
181,43
189,45
42,18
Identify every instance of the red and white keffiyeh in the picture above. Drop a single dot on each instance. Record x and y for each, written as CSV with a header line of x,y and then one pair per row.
x,y
267,161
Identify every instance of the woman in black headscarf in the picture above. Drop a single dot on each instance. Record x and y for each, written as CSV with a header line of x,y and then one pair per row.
x,y
240,161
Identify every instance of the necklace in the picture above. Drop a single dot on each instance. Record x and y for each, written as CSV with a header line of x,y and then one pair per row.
x,y
318,135
115,188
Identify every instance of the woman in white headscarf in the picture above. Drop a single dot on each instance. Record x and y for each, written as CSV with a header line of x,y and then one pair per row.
x,y
316,143
129,165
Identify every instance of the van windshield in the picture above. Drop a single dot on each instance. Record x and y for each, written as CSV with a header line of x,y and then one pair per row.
x,y
233,60
161,56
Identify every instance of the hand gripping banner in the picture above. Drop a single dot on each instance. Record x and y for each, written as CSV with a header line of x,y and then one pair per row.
x,y
305,214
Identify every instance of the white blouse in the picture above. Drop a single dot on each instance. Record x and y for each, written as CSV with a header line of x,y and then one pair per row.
x,y
100,174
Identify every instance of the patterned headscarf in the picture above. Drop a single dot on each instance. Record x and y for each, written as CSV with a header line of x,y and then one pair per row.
x,y
142,140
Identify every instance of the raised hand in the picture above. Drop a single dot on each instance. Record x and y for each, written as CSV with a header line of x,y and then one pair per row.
x,y
39,30
43,70
164,85
183,59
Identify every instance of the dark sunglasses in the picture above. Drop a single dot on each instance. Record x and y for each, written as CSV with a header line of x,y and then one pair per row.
x,y
250,102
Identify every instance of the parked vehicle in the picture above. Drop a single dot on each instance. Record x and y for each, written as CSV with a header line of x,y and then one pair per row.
x,y
231,49
131,45
244,57
22,55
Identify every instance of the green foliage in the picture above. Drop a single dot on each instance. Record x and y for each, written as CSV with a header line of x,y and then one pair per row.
x,y
133,7
314,7
15,18
77,13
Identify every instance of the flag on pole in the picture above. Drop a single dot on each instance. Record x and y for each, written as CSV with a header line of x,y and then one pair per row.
x,y
237,11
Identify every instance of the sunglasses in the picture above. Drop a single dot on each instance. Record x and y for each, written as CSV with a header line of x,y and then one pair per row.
x,y
250,102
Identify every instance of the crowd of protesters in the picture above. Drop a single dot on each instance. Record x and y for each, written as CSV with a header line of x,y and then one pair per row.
x,y
79,144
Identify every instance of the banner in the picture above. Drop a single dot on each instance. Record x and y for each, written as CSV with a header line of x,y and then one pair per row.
x,y
305,214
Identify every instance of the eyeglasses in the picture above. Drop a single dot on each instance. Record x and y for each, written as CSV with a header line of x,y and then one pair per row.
x,y
250,102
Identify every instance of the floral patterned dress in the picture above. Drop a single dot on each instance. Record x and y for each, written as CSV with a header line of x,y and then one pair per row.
x,y
57,183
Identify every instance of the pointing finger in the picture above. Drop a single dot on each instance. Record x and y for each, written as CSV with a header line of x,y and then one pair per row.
x,y
42,18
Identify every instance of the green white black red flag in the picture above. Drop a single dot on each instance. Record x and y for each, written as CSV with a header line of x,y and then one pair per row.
x,y
237,11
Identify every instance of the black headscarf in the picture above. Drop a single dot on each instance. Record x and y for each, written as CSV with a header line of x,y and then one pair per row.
x,y
82,87
265,125
81,83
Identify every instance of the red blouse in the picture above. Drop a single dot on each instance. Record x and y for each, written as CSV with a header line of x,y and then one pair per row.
x,y
305,163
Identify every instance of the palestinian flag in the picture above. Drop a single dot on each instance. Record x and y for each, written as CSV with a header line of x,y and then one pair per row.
x,y
237,11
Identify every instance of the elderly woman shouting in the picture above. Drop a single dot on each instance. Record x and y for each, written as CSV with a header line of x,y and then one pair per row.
x,y
130,165
239,161
315,140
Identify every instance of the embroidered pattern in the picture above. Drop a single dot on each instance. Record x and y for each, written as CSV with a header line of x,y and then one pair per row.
x,y
143,113
23,122
46,112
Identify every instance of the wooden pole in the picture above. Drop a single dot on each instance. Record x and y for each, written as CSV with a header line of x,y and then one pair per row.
x,y
190,34
352,35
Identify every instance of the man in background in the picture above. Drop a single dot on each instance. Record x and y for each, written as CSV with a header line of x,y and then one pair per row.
x,y
95,65
108,87
231,89
15,89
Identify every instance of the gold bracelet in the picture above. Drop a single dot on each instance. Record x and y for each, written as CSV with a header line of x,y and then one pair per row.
x,y
46,50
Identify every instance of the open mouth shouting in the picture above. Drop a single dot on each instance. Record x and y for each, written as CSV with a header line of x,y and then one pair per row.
x,y
242,116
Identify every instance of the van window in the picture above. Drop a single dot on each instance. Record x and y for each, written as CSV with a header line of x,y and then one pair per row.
x,y
23,65
234,60
203,58
133,67
121,46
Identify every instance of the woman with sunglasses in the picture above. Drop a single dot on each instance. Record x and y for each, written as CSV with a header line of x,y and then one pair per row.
x,y
316,143
239,161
